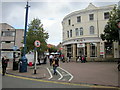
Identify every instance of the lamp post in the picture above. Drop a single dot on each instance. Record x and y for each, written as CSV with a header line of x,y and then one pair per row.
x,y
23,59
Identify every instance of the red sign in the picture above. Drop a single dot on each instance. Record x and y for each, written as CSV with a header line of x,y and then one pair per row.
x,y
37,43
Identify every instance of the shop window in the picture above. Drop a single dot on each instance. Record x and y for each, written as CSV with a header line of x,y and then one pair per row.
x,y
108,48
69,50
93,50
86,50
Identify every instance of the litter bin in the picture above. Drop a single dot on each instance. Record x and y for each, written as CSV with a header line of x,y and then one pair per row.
x,y
15,65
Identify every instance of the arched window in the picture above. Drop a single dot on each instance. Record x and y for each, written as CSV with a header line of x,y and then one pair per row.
x,y
91,29
81,31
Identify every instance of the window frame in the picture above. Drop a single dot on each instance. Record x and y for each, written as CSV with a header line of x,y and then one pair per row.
x,y
81,31
78,19
91,18
92,30
107,15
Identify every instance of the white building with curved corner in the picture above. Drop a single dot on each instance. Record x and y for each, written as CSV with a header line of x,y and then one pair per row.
x,y
81,33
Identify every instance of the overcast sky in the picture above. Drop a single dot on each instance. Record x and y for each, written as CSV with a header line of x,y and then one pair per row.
x,y
50,12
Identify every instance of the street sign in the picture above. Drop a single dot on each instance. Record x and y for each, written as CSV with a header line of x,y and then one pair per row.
x,y
37,43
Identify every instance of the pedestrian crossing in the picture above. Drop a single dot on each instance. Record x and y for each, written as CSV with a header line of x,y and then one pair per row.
x,y
62,75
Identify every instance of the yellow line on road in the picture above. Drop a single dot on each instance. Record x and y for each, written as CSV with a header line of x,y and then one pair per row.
x,y
85,85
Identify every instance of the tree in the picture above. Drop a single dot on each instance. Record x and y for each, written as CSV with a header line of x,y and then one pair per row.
x,y
36,32
111,31
52,49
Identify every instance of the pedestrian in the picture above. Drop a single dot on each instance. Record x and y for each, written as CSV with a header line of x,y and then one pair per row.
x,y
51,59
78,58
4,65
55,64
45,60
83,59
69,57
62,58
39,61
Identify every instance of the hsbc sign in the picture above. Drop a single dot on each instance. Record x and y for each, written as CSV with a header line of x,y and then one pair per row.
x,y
81,45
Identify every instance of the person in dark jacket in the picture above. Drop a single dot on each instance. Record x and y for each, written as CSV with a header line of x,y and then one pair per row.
x,y
55,64
4,65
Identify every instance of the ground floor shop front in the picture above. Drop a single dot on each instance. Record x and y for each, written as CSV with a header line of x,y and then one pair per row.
x,y
92,50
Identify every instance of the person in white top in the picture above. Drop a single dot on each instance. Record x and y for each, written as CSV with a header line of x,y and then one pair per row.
x,y
51,59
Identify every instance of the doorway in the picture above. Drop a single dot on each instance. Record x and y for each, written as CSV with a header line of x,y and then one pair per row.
x,y
80,51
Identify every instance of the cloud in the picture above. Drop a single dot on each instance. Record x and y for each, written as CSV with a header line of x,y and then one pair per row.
x,y
51,14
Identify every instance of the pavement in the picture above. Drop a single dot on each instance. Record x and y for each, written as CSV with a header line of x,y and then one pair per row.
x,y
94,73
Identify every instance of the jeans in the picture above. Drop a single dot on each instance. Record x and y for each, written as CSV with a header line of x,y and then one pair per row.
x,y
54,69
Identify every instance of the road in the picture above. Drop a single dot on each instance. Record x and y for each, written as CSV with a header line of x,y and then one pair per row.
x,y
22,82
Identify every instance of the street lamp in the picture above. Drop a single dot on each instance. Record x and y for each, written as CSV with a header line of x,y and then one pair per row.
x,y
23,59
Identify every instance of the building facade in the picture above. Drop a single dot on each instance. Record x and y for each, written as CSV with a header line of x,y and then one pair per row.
x,y
81,33
10,37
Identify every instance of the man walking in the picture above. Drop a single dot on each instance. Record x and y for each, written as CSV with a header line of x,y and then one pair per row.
x,y
55,64
4,65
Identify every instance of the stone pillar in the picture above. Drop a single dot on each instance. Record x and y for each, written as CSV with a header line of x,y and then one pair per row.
x,y
88,51
102,49
65,51
98,50
116,50
74,51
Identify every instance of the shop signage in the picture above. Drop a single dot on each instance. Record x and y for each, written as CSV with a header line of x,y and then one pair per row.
x,y
80,45
101,52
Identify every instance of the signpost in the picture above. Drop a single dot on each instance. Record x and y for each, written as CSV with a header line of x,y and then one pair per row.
x,y
15,64
36,44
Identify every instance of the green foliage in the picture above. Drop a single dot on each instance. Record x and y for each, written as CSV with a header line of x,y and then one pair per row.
x,y
111,29
52,49
36,32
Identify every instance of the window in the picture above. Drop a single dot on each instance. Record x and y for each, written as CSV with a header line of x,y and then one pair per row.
x,y
70,33
91,16
81,31
79,19
77,32
91,29
93,50
106,15
108,48
8,33
69,22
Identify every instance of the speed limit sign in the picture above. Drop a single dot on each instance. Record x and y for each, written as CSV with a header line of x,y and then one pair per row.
x,y
37,43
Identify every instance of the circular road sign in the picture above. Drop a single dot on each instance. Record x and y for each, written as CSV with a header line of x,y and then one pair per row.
x,y
119,25
37,43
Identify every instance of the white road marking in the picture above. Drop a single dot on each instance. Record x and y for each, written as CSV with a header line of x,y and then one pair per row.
x,y
51,76
68,73
61,76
